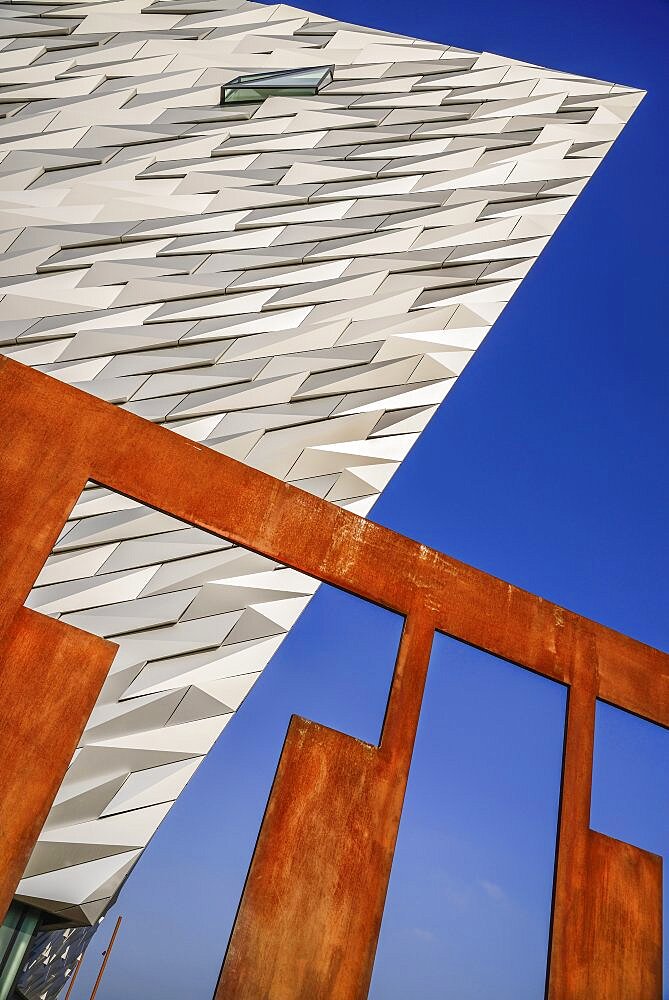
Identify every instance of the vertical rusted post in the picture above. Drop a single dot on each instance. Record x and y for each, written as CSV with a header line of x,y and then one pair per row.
x,y
606,939
311,911
74,976
61,670
105,959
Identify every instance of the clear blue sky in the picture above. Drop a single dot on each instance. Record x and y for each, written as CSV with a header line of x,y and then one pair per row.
x,y
546,466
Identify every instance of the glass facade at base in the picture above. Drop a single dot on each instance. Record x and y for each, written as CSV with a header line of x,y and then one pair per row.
x,y
15,935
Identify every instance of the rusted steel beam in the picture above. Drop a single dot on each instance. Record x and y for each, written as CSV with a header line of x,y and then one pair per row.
x,y
73,977
50,677
606,936
107,953
311,912
614,946
304,924
333,814
76,437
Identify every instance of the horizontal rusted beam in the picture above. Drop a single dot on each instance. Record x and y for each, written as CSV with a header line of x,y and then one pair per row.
x,y
78,437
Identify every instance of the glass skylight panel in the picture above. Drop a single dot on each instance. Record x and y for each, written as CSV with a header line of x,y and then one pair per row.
x,y
289,83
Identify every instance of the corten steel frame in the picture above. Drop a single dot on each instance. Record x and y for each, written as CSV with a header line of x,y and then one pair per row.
x,y
310,915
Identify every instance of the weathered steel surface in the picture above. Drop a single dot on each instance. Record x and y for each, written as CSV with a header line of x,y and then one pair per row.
x,y
334,799
50,677
76,437
319,938
619,950
606,939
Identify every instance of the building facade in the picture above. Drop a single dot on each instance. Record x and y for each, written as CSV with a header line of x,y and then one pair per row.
x,y
282,237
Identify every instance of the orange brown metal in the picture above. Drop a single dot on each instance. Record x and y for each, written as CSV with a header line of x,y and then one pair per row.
x,y
50,677
335,799
606,936
614,944
71,437
107,953
73,978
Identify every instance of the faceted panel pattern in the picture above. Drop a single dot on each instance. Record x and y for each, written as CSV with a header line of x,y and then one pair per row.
x,y
295,282
51,960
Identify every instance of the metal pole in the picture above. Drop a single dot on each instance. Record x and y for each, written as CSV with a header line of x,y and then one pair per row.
x,y
74,975
106,958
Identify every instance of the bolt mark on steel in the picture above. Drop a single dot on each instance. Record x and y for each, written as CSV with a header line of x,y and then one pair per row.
x,y
607,915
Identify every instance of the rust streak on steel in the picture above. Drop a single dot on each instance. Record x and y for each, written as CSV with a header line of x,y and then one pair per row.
x,y
334,797
73,437
50,677
339,831
606,939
